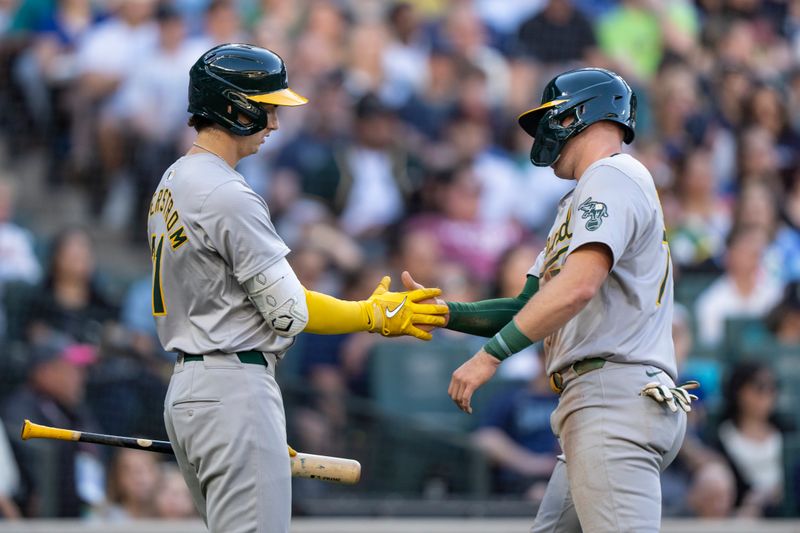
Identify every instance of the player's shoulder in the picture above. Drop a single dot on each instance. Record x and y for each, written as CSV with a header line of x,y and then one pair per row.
x,y
620,172
204,173
193,179
624,164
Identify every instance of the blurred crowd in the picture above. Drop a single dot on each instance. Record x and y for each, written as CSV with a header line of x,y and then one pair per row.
x,y
408,156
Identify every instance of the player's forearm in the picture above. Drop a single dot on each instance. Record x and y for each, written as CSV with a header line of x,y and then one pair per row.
x,y
487,317
555,304
484,318
331,316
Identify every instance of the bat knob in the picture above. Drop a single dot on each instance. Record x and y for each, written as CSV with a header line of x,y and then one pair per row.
x,y
26,429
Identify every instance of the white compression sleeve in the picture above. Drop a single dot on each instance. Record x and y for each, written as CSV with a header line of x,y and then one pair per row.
x,y
280,298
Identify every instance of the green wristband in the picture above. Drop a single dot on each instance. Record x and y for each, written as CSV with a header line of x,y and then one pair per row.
x,y
507,342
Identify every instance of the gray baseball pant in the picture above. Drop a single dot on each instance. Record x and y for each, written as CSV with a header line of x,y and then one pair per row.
x,y
226,423
616,444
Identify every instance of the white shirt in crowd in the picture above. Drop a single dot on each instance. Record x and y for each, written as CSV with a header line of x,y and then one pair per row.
x,y
722,301
760,462
17,260
374,198
9,473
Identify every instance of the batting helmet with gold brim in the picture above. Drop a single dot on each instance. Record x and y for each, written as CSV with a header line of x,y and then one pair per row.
x,y
589,95
230,80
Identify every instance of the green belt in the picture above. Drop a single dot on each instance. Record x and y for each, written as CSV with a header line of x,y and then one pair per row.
x,y
580,367
251,357
587,365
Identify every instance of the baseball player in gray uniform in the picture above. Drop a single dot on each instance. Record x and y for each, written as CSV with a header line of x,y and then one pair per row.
x,y
226,300
600,296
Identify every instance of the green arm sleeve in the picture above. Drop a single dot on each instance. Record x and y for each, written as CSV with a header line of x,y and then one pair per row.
x,y
487,317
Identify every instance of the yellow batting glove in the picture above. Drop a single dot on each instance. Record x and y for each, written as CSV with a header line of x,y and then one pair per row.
x,y
396,313
292,452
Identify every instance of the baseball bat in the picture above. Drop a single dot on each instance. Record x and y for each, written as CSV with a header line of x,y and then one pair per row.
x,y
305,465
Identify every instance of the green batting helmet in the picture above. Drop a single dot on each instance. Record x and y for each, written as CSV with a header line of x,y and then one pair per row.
x,y
232,79
590,95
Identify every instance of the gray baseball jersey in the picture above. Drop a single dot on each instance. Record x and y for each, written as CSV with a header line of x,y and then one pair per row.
x,y
630,319
209,232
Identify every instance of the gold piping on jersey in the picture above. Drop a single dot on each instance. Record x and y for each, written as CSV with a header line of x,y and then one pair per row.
x,y
158,303
663,285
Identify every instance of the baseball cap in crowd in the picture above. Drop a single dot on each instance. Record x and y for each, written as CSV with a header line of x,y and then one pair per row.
x,y
371,106
167,12
57,346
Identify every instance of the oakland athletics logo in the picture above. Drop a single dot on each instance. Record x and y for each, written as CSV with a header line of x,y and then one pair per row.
x,y
594,211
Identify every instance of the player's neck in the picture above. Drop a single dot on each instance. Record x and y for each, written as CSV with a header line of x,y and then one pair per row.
x,y
598,141
593,153
210,141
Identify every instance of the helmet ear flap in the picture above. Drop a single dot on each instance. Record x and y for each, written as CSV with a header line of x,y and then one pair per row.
x,y
240,105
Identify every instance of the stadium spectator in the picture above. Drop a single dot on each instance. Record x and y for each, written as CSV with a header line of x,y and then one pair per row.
x,y
503,19
172,498
376,174
48,71
7,10
136,318
403,56
757,157
126,386
469,139
309,162
559,34
537,189
56,480
9,479
419,252
429,108
512,272
155,132
713,492
515,434
222,24
744,290
17,258
107,56
464,238
133,477
677,111
18,263
750,437
699,482
466,36
785,250
69,300
784,320
698,241
756,206
767,109
636,34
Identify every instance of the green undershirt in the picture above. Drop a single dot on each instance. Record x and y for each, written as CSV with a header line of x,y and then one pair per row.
x,y
487,317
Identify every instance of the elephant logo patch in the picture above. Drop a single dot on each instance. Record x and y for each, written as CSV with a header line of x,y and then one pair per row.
x,y
594,211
